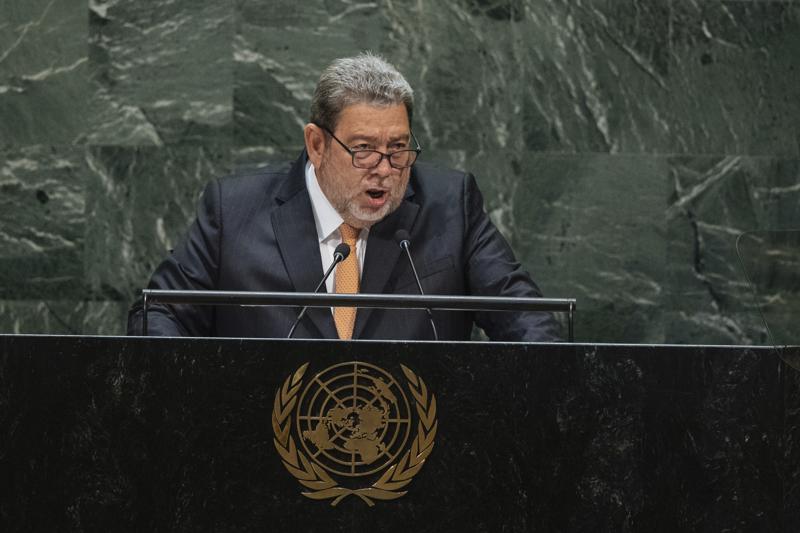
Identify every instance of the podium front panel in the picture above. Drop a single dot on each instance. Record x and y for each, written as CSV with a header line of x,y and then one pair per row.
x,y
159,434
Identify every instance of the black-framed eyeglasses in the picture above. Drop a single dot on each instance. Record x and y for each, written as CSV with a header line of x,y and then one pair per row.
x,y
366,159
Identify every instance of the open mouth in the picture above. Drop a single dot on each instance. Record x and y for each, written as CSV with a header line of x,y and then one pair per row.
x,y
377,198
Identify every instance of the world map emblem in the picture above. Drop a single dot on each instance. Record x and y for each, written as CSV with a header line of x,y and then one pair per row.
x,y
350,429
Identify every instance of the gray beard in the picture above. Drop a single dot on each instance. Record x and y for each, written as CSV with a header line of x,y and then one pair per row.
x,y
362,218
352,213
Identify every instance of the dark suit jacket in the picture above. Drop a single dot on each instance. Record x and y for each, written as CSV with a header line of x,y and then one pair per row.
x,y
257,233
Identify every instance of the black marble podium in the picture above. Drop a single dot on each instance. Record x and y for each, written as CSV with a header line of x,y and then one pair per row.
x,y
154,434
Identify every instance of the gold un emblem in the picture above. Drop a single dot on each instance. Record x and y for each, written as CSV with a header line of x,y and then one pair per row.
x,y
353,422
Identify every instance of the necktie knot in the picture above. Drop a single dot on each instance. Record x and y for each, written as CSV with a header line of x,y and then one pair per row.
x,y
349,233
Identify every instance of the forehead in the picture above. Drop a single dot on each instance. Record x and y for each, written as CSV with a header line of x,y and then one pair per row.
x,y
366,120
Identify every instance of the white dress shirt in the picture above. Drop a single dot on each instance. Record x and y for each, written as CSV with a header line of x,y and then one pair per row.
x,y
327,221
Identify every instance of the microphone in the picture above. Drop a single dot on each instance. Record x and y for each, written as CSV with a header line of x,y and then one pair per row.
x,y
339,254
404,241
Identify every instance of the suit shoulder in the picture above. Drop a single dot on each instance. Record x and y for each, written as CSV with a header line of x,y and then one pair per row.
x,y
263,180
432,178
259,178
432,170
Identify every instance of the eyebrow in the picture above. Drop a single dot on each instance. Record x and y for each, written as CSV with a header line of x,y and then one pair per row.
x,y
374,140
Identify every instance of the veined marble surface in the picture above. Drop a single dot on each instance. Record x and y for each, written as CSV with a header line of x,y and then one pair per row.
x,y
161,72
621,145
42,222
44,89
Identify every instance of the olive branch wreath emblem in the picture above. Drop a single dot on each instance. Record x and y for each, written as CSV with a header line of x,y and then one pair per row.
x,y
314,477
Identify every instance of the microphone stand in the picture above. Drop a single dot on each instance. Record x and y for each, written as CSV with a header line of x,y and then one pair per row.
x,y
404,241
339,255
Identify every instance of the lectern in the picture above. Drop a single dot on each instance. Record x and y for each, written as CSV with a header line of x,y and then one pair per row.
x,y
166,434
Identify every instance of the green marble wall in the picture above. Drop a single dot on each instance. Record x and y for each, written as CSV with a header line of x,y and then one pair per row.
x,y
622,144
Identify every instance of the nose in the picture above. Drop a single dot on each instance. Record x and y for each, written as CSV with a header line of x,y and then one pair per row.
x,y
384,168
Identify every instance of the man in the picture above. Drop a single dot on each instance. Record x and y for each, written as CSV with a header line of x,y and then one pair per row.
x,y
357,182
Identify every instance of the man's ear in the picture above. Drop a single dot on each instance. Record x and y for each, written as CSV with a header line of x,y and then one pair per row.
x,y
315,143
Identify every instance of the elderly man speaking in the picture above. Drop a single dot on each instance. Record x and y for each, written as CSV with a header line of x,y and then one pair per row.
x,y
358,182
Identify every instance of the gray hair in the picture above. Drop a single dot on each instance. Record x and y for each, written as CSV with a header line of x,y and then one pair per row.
x,y
364,79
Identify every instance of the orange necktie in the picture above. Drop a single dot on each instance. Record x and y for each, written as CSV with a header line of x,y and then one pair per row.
x,y
347,281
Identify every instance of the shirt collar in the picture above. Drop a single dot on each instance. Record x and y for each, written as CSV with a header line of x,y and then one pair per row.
x,y
326,218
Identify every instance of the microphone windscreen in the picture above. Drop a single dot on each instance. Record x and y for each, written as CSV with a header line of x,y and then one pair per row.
x,y
343,249
402,235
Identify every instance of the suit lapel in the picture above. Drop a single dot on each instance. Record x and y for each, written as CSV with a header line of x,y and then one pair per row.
x,y
382,255
296,233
